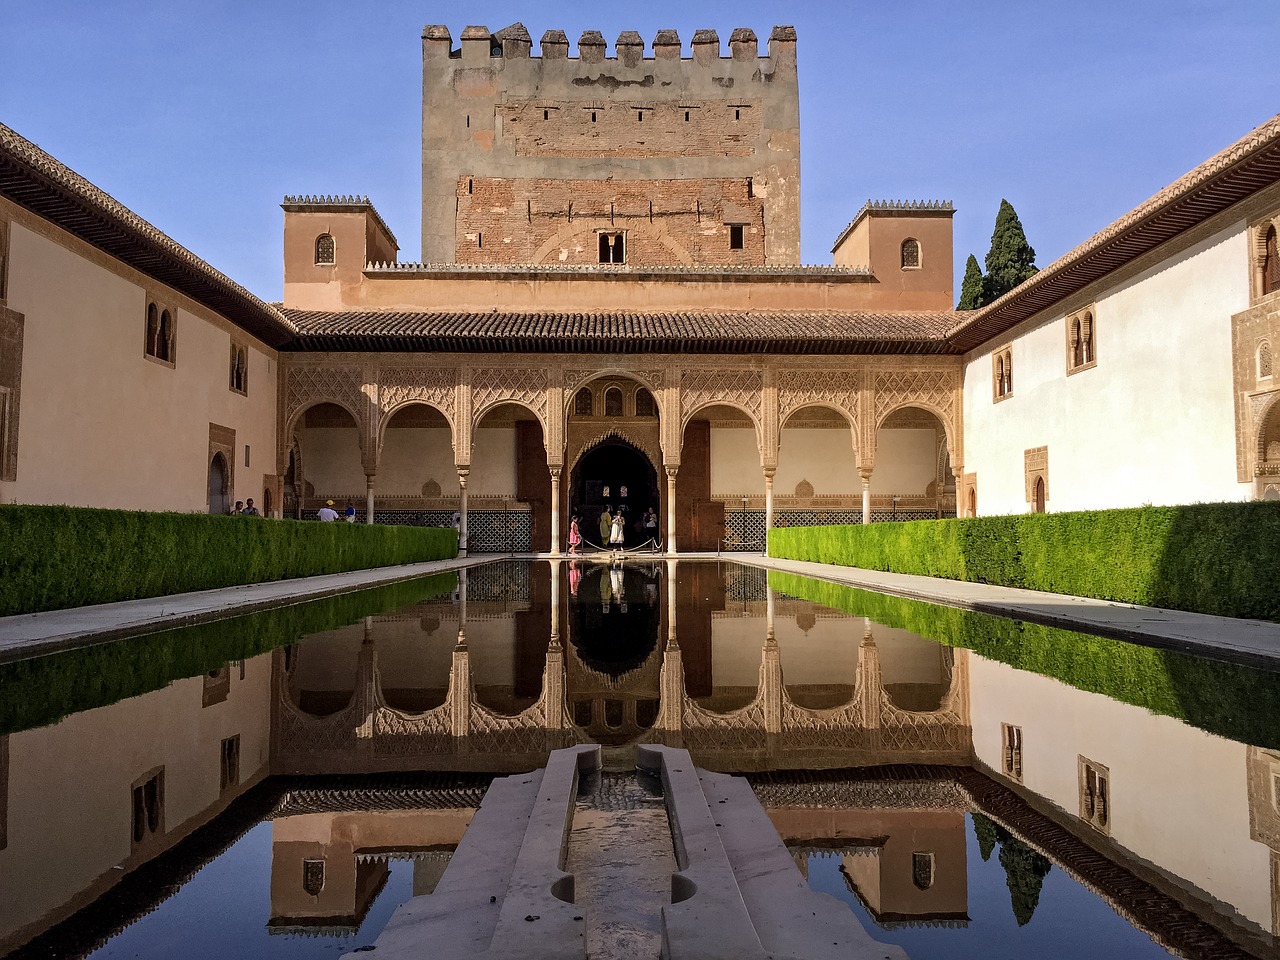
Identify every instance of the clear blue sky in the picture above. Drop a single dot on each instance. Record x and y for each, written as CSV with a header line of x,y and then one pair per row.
x,y
201,117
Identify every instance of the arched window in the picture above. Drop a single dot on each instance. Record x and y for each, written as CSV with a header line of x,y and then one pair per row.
x,y
613,402
1008,373
1039,495
164,345
646,406
325,249
582,402
153,330
1270,263
1086,336
239,368
1264,359
973,502
922,870
910,254
1077,344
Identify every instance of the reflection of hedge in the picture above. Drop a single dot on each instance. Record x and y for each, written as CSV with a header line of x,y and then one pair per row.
x,y
57,557
38,692
1217,558
1235,702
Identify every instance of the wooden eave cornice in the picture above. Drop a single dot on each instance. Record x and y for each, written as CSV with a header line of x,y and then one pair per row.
x,y
1244,168
37,182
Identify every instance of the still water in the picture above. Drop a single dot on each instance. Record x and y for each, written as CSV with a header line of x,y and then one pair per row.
x,y
276,785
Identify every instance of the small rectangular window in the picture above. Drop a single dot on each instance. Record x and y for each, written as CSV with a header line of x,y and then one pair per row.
x,y
1095,794
736,236
246,454
148,806
613,248
1011,749
229,764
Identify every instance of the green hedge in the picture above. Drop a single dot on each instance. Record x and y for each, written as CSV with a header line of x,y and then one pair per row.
x,y
1217,558
59,557
40,691
1238,703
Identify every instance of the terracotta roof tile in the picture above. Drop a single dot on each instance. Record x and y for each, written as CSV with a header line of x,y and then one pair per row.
x,y
730,332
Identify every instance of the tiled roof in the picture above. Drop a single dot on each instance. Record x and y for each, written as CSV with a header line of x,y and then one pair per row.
x,y
33,179
1244,168
729,332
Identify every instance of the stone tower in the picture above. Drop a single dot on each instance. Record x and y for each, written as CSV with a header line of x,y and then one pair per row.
x,y
633,159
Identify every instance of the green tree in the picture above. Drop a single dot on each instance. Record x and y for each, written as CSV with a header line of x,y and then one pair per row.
x,y
971,288
984,829
1024,871
1010,259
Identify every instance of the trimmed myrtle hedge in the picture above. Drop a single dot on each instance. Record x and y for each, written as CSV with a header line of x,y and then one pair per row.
x,y
40,691
58,557
1217,558
1238,703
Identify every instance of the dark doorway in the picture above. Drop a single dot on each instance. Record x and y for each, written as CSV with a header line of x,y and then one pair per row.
x,y
599,480
218,485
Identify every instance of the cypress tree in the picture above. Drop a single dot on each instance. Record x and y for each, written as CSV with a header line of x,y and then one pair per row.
x,y
971,288
983,828
1010,259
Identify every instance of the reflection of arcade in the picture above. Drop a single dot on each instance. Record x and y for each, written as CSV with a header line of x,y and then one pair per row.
x,y
613,475
619,684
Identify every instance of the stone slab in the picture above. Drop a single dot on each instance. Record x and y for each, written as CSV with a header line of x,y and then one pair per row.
x,y
504,894
738,893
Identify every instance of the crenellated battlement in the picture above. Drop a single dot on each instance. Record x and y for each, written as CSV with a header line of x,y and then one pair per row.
x,y
514,42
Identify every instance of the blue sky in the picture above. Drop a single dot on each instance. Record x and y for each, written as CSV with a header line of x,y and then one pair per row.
x,y
201,117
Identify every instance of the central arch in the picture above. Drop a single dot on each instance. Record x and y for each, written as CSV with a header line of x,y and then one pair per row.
x,y
599,479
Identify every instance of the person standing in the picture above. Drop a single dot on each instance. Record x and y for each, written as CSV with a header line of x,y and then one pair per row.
x,y
617,532
575,535
238,508
327,514
249,509
350,513
606,524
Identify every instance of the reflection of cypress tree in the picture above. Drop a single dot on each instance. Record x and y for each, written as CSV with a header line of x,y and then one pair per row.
x,y
1024,872
986,831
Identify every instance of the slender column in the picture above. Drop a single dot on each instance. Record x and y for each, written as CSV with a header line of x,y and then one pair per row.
x,y
866,497
368,497
555,511
768,508
463,473
671,509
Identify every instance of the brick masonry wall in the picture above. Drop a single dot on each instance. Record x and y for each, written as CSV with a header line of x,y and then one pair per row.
x,y
559,221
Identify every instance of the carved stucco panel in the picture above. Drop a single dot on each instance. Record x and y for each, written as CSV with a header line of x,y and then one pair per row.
x,y
805,388
740,388
307,386
491,386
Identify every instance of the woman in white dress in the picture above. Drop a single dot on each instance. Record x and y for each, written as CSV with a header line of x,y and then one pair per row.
x,y
616,534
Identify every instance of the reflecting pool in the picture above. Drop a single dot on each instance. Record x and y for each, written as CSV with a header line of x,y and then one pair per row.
x,y
275,785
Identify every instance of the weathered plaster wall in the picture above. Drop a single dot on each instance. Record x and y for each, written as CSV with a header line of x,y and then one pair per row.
x,y
592,118
1152,422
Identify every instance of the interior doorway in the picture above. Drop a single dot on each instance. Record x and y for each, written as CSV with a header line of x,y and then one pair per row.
x,y
218,501
614,475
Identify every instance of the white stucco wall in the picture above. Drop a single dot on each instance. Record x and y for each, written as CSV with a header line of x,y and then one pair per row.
x,y
825,458
102,425
411,456
1153,422
906,462
1179,796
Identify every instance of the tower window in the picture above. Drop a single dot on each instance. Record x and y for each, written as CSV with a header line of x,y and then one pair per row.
x,y
546,114
910,254
593,116
613,248
325,249
737,114
736,236
686,116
